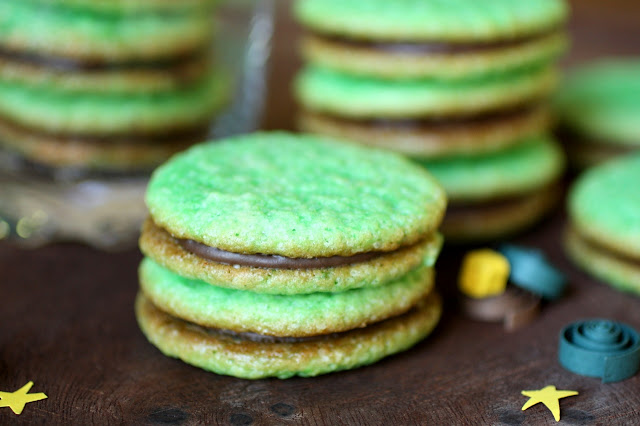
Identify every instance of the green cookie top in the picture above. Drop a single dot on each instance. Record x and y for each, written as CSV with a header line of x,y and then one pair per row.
x,y
450,20
295,196
50,109
604,205
527,166
341,94
53,29
131,6
281,315
601,101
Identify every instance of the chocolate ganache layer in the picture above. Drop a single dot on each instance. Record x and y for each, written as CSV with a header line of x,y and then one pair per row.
x,y
513,113
59,63
433,47
272,261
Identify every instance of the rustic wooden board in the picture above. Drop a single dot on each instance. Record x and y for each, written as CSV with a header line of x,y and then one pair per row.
x,y
67,323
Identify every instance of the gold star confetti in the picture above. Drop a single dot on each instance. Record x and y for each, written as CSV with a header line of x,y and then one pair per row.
x,y
17,400
549,396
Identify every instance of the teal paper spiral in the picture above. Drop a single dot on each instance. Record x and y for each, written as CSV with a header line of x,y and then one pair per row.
x,y
600,348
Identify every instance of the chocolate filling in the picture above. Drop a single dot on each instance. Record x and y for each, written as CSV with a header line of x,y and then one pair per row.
x,y
62,64
262,338
513,113
272,261
194,134
434,47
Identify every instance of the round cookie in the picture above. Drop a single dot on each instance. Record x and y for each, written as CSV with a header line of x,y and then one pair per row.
x,y
497,194
347,96
434,138
619,271
295,315
292,247
438,60
309,197
105,154
604,206
73,76
532,164
133,6
454,21
598,109
160,246
241,357
83,33
51,110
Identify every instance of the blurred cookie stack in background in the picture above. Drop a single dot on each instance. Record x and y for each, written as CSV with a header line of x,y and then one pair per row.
x,y
461,86
103,85
94,94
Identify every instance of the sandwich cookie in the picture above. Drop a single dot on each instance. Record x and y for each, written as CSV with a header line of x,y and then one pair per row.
x,y
85,31
438,82
106,86
281,260
497,194
598,109
604,235
426,117
417,39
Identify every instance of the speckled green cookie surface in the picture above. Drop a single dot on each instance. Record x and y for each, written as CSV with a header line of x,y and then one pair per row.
x,y
604,205
50,109
623,274
224,354
295,196
452,20
601,102
164,250
527,166
280,315
331,92
27,26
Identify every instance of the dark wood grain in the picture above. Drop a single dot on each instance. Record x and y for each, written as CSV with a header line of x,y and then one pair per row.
x,y
67,323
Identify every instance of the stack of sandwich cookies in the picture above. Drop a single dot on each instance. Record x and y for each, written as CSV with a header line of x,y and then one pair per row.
x,y
604,211
266,256
598,109
106,85
436,82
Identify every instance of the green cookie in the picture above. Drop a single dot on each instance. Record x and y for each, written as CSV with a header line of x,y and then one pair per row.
x,y
525,167
161,247
600,103
344,95
281,315
85,31
619,271
235,356
294,196
604,206
50,109
451,20
132,6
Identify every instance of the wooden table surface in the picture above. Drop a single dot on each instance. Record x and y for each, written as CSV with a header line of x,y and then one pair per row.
x,y
67,323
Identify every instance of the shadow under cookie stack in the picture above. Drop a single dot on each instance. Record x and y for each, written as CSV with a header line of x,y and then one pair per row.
x,y
461,87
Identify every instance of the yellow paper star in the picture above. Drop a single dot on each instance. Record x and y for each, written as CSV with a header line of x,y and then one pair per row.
x,y
549,396
17,400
